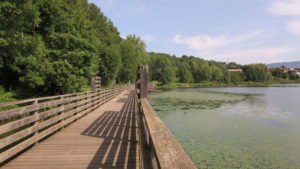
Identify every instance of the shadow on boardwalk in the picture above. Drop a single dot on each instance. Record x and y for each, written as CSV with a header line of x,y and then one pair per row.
x,y
118,128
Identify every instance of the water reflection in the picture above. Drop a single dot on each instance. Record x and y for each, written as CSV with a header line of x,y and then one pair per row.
x,y
274,123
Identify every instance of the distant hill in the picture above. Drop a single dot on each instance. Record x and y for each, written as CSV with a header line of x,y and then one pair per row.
x,y
285,64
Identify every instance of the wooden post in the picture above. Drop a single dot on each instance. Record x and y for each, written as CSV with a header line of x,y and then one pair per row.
x,y
36,113
93,84
62,108
98,82
113,83
142,81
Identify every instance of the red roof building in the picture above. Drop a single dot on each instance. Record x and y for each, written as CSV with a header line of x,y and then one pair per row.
x,y
235,70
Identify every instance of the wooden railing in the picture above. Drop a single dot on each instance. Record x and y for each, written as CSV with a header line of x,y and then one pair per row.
x,y
158,147
24,123
161,150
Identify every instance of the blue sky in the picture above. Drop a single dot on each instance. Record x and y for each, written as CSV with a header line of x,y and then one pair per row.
x,y
244,31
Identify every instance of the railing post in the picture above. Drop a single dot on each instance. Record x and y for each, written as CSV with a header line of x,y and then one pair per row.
x,y
95,83
113,84
98,83
62,109
37,121
142,81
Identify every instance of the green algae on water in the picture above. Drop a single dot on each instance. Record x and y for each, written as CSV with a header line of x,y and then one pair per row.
x,y
215,133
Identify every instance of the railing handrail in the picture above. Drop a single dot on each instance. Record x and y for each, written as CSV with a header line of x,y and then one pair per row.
x,y
24,126
22,101
166,150
158,145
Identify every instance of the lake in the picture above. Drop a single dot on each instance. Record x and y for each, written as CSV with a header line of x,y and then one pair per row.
x,y
234,127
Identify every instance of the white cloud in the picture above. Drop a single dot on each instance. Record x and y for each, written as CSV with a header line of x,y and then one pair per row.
x,y
204,42
235,48
294,27
256,55
285,7
288,8
148,38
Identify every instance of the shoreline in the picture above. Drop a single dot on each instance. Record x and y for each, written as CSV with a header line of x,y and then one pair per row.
x,y
219,84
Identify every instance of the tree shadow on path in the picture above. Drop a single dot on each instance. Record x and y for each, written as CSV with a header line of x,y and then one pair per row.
x,y
118,129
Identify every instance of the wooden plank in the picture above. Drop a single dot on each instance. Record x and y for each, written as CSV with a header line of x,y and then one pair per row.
x,y
19,123
6,141
84,104
16,149
26,132
70,148
35,107
5,104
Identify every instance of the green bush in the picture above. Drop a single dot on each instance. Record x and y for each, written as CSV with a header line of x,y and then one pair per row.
x,y
6,96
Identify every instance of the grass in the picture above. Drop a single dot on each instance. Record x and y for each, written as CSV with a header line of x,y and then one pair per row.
x,y
6,96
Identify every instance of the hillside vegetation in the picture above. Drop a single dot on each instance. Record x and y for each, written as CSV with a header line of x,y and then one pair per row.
x,y
193,71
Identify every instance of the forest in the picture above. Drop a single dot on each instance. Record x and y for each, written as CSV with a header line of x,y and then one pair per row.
x,y
167,69
53,47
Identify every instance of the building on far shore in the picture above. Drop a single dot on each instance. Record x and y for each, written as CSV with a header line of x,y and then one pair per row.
x,y
297,70
235,70
285,69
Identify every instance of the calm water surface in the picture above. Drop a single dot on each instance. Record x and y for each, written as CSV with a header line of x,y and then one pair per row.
x,y
240,127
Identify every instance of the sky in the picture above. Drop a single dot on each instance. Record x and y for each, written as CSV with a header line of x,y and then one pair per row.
x,y
243,31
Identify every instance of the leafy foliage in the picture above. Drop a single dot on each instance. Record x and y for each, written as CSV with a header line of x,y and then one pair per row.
x,y
257,72
55,46
6,96
278,73
187,69
167,69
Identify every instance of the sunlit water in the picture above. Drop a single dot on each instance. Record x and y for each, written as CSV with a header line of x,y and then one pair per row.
x,y
242,127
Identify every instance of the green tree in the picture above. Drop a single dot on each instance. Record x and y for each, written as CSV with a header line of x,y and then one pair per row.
x,y
22,50
54,46
133,52
184,73
256,72
107,40
162,69
293,75
233,65
236,77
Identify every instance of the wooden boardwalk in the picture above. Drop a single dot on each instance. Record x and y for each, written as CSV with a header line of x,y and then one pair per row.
x,y
105,138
